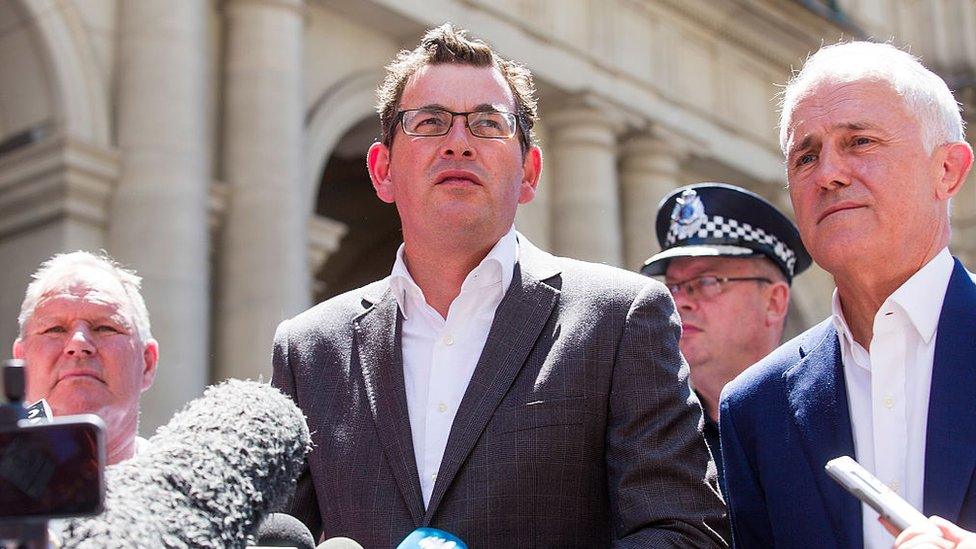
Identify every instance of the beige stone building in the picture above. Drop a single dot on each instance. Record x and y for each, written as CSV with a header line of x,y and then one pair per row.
x,y
218,146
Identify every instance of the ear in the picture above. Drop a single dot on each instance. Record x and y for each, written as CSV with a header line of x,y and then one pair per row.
x,y
150,358
378,164
957,159
778,303
18,350
531,170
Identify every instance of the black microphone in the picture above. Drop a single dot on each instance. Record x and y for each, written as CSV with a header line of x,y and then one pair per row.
x,y
283,530
208,477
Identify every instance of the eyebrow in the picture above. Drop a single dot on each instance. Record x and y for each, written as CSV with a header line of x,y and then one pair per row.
x,y
709,271
850,126
114,316
480,108
859,126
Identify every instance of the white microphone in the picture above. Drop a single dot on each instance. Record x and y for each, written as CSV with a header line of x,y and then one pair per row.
x,y
339,543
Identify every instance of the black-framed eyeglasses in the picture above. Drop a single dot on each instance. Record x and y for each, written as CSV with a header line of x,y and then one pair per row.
x,y
707,287
433,122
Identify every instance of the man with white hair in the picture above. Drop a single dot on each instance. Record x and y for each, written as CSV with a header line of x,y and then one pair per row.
x,y
85,339
875,150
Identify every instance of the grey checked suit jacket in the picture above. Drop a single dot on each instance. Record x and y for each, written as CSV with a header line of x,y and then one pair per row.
x,y
577,428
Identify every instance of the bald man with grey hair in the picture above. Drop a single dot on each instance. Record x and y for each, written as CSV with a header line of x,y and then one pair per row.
x,y
875,150
86,340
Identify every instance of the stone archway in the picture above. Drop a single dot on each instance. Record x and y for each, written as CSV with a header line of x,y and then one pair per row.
x,y
57,166
372,227
79,94
340,127
331,117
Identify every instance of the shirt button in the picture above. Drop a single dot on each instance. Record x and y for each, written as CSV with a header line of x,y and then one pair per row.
x,y
433,477
442,407
448,340
894,485
889,402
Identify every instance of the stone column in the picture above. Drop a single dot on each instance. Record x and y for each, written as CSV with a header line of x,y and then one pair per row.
x,y
585,203
263,265
649,170
325,236
158,214
534,219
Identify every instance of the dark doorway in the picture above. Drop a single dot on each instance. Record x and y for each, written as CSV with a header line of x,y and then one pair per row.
x,y
367,251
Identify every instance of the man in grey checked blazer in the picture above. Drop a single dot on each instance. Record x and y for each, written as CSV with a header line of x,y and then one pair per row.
x,y
575,428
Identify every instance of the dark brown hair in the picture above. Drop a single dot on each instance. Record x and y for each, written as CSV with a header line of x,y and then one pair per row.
x,y
446,44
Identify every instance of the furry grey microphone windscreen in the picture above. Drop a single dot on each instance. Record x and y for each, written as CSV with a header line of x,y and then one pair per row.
x,y
209,477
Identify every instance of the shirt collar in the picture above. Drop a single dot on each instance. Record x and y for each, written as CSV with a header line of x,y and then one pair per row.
x,y
497,266
142,445
920,297
840,323
402,284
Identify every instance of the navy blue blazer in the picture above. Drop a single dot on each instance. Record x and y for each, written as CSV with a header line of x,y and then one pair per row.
x,y
785,417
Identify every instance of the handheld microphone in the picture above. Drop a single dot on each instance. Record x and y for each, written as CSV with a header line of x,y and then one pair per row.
x,y
431,538
283,530
209,476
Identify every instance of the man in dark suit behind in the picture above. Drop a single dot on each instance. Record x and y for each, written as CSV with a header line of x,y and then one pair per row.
x,y
485,387
874,152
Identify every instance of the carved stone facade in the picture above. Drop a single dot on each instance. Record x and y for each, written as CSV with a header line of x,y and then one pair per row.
x,y
217,146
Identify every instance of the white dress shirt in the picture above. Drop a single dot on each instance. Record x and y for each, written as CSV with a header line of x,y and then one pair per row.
x,y
888,386
439,355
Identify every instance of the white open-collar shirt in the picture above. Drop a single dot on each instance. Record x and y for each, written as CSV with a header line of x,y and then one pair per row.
x,y
440,355
888,386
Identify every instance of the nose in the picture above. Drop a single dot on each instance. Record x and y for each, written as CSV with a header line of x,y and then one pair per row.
x,y
457,142
682,302
79,344
834,172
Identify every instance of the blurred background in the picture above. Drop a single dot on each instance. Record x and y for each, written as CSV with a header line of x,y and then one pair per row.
x,y
218,147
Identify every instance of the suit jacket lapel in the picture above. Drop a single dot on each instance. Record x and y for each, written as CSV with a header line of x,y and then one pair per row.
x,y
951,431
377,344
519,319
818,398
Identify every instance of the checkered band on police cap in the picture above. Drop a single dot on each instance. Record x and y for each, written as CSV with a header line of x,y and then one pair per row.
x,y
718,228
717,219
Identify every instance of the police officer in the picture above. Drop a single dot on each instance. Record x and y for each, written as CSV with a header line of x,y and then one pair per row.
x,y
728,256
